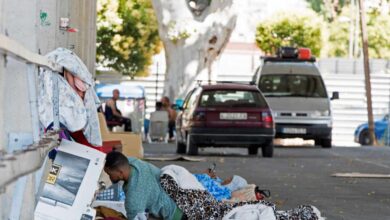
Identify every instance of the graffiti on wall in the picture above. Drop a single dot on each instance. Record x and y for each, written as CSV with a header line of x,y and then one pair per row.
x,y
43,17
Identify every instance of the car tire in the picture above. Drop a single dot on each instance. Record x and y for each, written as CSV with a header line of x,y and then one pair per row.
x,y
326,143
267,150
364,138
192,149
180,147
253,150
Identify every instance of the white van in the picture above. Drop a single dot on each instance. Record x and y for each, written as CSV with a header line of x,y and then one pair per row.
x,y
296,93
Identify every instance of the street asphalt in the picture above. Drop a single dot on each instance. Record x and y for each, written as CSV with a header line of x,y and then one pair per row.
x,y
302,175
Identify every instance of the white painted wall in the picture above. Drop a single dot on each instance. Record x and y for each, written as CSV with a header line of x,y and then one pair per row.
x,y
34,24
19,24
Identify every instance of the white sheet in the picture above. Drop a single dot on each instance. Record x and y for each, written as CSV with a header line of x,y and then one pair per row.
x,y
182,177
251,212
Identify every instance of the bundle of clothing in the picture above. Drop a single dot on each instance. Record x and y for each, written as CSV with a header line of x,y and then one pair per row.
x,y
78,101
197,202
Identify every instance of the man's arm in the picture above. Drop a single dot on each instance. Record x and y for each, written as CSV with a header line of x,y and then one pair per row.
x,y
111,104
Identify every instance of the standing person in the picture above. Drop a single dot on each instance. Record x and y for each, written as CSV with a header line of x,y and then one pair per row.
x,y
112,112
166,104
142,187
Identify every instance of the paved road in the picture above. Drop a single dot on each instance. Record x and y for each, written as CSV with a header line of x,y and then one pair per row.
x,y
302,175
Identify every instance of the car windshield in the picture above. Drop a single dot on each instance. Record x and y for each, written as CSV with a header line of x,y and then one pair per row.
x,y
232,98
292,85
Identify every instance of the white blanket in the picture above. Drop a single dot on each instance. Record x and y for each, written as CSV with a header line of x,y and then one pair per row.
x,y
182,177
251,212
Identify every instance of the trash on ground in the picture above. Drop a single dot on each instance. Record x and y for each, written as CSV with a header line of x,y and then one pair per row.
x,y
361,175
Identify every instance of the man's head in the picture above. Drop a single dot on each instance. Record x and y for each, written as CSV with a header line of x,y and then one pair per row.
x,y
115,94
159,105
165,101
117,166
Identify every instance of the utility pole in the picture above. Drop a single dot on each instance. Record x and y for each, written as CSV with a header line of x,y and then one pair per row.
x,y
367,73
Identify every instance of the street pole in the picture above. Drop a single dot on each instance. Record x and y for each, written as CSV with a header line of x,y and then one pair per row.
x,y
351,30
367,73
157,82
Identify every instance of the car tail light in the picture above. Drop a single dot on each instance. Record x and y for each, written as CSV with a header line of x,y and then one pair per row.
x,y
198,118
304,53
266,118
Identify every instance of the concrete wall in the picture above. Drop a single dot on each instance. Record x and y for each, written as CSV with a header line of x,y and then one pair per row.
x,y
35,25
2,83
83,14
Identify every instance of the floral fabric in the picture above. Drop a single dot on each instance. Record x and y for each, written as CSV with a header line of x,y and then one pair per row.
x,y
75,113
201,205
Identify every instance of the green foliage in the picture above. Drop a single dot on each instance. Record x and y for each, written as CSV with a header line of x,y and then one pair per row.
x,y
290,29
127,35
378,30
329,9
338,40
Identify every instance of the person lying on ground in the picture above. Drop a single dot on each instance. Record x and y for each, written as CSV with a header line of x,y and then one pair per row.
x,y
197,203
234,188
142,187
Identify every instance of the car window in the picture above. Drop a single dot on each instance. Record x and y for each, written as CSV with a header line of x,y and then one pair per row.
x,y
232,98
185,104
192,99
294,85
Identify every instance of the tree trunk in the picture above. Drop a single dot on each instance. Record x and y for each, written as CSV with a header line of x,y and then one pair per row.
x,y
194,34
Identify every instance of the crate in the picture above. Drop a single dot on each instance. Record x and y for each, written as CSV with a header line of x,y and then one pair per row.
x,y
113,193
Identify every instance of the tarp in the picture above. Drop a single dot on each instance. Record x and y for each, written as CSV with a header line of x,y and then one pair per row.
x,y
127,91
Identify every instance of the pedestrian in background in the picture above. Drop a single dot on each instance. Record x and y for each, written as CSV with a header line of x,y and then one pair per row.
x,y
167,106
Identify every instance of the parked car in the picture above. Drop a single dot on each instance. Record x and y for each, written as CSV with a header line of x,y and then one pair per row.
x,y
225,115
296,93
381,132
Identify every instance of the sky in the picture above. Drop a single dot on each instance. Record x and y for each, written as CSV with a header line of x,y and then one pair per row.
x,y
251,12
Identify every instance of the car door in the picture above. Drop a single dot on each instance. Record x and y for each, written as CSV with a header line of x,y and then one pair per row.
x,y
381,127
180,132
188,110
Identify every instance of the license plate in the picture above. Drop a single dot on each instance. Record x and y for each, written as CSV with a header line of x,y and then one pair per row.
x,y
294,130
233,116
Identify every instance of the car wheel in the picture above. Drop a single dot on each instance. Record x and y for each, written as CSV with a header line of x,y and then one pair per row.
x,y
191,147
180,147
253,150
326,143
364,138
267,150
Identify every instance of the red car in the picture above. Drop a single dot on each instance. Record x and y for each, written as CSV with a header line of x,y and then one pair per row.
x,y
225,115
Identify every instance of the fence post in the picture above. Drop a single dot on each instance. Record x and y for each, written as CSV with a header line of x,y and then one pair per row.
x,y
32,91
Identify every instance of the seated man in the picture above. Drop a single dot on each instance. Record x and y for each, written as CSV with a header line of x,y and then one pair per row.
x,y
142,187
112,112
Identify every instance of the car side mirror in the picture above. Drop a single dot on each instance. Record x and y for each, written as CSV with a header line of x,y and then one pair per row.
x,y
335,95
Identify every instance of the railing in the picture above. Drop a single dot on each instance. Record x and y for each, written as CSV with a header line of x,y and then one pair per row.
x,y
18,163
